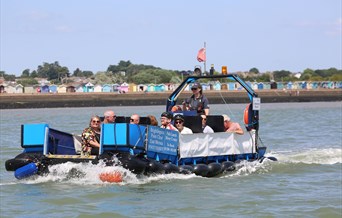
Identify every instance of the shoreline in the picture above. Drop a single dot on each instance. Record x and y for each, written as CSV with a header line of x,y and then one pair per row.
x,y
49,100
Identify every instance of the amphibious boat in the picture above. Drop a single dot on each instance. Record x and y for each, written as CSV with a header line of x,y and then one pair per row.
x,y
146,149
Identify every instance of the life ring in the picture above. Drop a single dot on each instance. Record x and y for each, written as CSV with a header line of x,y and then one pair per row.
x,y
176,108
246,116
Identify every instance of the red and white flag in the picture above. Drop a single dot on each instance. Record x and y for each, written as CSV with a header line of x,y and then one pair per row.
x,y
201,57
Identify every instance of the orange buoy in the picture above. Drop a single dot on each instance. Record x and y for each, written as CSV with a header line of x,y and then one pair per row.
x,y
111,177
246,115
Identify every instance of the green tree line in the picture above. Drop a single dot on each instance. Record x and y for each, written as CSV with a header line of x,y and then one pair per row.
x,y
125,71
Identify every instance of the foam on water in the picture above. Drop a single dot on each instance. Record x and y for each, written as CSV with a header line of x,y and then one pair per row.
x,y
327,156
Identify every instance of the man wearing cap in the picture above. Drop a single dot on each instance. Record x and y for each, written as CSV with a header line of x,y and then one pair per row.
x,y
165,119
197,102
230,126
179,123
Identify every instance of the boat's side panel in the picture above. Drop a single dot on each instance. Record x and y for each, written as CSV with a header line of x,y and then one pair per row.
x,y
216,144
34,137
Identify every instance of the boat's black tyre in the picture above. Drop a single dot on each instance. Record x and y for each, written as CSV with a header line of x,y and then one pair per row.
x,y
132,163
171,168
186,169
21,160
155,167
15,163
214,169
201,170
228,166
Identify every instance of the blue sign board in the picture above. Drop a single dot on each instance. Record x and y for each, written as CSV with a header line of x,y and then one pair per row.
x,y
162,141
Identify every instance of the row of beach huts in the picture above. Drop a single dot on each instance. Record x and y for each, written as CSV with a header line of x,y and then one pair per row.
x,y
125,87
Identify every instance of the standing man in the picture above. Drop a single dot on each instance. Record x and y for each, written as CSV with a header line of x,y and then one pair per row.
x,y
109,117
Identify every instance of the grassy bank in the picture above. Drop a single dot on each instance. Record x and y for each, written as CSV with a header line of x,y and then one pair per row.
x,y
10,101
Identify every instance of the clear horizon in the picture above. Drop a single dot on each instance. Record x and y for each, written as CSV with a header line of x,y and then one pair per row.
x,y
268,35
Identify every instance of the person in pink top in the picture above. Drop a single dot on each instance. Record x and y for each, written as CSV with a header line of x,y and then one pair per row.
x,y
165,119
230,126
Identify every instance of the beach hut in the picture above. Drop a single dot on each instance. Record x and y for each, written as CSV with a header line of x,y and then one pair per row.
x,y
123,88
19,88
98,88
132,87
107,88
267,86
2,88
44,89
231,86
142,88
254,85
159,88
280,85
304,85
115,87
80,88
217,86
53,88
70,88
289,85
151,87
260,86
62,89
9,89
224,86
89,87
29,89
274,85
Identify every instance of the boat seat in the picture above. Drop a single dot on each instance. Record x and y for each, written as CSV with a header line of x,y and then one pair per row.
x,y
215,122
194,123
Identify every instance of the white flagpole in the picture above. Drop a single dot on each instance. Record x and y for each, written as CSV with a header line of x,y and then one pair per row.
x,y
205,62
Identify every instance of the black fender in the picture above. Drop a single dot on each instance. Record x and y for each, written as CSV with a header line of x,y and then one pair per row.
x,y
214,169
186,169
21,160
201,170
155,167
171,168
132,163
228,166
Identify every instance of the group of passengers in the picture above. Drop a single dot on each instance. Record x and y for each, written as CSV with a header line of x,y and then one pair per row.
x,y
196,102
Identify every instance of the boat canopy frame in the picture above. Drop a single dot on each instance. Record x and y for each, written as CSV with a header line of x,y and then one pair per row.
x,y
191,79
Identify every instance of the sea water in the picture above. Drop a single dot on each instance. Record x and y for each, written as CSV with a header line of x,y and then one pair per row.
x,y
306,181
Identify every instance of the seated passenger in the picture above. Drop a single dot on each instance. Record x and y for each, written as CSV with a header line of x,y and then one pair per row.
x,y
109,117
179,123
135,119
165,120
230,126
154,121
197,102
205,127
91,137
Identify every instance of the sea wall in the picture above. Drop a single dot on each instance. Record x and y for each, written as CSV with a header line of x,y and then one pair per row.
x,y
11,101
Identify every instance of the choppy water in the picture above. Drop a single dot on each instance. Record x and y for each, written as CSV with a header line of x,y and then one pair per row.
x,y
305,182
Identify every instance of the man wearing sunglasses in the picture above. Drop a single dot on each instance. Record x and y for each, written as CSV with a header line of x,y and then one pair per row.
x,y
197,102
179,124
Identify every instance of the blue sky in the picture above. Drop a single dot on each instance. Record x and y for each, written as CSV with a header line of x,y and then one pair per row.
x,y
91,35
